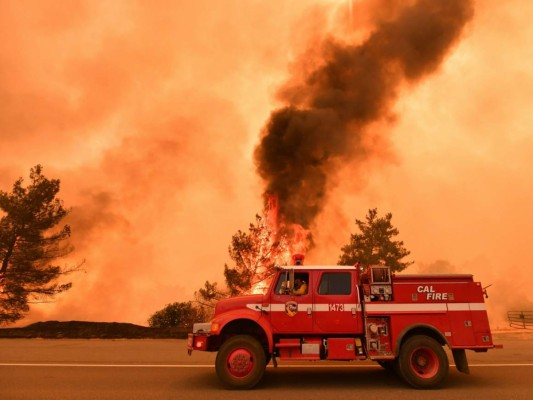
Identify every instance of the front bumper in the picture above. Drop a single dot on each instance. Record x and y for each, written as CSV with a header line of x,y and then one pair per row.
x,y
197,341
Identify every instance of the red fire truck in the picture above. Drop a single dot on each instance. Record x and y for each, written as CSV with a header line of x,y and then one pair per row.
x,y
348,313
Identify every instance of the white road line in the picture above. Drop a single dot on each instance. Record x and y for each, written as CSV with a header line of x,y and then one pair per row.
x,y
502,365
212,366
377,366
105,365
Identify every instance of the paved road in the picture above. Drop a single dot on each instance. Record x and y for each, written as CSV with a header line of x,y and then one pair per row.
x,y
160,369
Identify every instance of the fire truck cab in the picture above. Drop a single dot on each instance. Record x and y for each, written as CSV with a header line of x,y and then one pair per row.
x,y
348,313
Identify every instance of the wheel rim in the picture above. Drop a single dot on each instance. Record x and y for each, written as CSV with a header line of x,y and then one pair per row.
x,y
240,363
424,362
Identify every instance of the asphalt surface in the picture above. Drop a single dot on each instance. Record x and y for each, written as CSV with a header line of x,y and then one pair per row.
x,y
160,369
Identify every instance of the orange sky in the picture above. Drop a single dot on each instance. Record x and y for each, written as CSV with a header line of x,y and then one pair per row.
x,y
149,114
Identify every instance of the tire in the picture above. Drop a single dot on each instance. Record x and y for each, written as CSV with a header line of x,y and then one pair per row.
x,y
423,363
240,362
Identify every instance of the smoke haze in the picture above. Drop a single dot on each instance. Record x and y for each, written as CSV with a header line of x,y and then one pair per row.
x,y
150,114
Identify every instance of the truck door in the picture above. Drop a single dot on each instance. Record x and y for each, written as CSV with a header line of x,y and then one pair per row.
x,y
291,302
337,306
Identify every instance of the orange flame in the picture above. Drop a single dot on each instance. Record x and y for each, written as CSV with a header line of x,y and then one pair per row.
x,y
296,236
288,240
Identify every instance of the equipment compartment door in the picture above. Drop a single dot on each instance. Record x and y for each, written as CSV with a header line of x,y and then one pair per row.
x,y
461,324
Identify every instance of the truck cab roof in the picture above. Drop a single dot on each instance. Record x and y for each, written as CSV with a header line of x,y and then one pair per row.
x,y
318,267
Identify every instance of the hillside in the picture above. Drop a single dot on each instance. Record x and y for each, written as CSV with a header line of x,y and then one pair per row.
x,y
91,330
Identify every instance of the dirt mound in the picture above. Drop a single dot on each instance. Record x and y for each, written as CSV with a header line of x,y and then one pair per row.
x,y
91,330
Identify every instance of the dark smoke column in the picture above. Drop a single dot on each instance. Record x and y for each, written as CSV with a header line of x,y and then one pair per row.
x,y
354,85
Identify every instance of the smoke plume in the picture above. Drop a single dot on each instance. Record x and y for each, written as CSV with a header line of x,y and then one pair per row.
x,y
329,109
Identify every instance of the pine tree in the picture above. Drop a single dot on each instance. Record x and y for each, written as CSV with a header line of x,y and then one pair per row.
x,y
255,254
28,247
374,244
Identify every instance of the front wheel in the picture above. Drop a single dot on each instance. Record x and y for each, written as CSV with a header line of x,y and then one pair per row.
x,y
240,362
423,362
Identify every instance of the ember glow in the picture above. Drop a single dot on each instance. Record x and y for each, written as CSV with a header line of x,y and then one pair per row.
x,y
156,116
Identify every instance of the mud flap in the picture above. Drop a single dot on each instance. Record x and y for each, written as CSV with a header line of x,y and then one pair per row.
x,y
461,363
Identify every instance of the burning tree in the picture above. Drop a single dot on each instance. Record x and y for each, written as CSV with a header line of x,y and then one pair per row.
x,y
375,244
28,247
255,255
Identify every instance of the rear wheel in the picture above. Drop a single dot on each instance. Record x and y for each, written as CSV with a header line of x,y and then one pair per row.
x,y
423,363
240,362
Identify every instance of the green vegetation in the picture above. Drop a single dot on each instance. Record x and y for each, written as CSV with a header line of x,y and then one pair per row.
x,y
173,315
